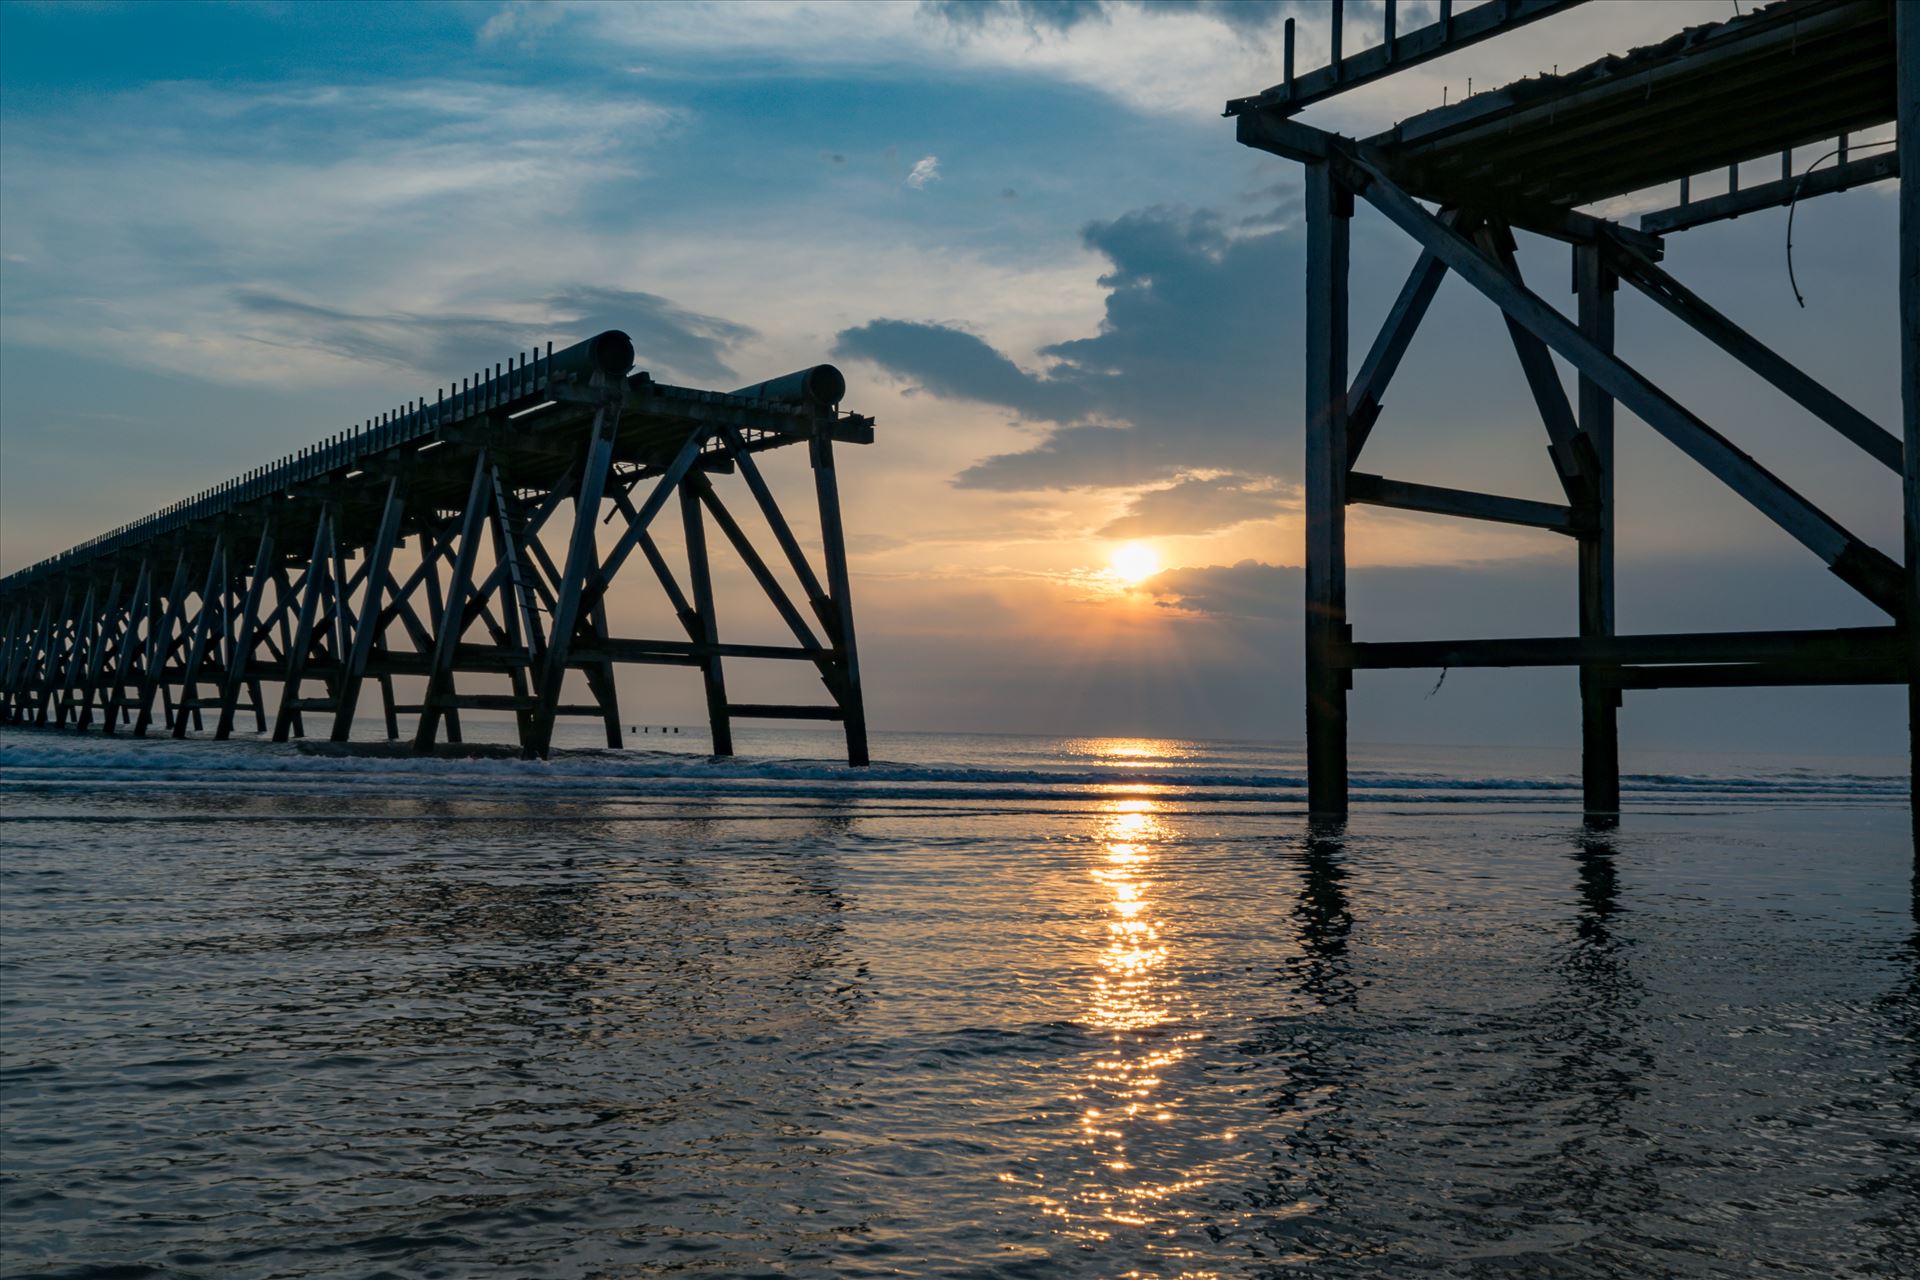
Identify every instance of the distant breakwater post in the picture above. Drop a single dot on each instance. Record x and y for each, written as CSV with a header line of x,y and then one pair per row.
x,y
1750,90
448,540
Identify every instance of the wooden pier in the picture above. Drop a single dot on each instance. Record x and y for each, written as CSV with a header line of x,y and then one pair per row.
x,y
1733,96
454,538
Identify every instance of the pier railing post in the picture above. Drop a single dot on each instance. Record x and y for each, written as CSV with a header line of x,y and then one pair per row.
x,y
1329,213
1599,687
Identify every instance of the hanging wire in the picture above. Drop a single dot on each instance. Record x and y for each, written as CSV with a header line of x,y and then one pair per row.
x,y
1793,205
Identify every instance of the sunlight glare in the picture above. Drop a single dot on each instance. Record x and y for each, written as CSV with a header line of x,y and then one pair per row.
x,y
1133,562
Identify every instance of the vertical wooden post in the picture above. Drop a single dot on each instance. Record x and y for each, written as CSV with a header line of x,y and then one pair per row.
x,y
833,545
138,607
516,613
706,622
453,617
367,629
75,659
388,706
301,645
583,564
189,706
600,679
245,635
1329,212
97,652
1599,689
167,614
1907,128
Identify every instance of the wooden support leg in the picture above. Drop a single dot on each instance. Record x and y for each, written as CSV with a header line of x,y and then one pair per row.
x,y
1599,690
582,566
700,579
97,654
833,541
1907,113
522,624
379,558
202,637
1329,211
84,631
288,715
167,615
453,616
387,704
600,682
138,609
56,645
245,635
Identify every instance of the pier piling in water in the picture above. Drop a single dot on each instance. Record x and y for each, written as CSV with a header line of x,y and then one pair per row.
x,y
288,574
1531,156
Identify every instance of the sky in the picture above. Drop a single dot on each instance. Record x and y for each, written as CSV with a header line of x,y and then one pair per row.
x,y
1070,299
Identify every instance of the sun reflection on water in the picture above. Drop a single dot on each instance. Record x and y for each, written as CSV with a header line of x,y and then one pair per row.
x,y
1134,1176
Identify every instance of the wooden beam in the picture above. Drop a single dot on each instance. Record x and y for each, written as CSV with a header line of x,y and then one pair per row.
x,y
1383,358
379,559
159,641
139,608
1329,211
1543,378
1595,285
779,711
454,615
1907,113
1846,644
300,647
1879,443
202,623
245,637
1754,675
783,533
846,689
582,565
1769,195
1856,563
1378,491
701,579
1402,49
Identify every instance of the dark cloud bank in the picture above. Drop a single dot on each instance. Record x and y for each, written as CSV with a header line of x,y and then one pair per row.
x,y
1194,367
673,342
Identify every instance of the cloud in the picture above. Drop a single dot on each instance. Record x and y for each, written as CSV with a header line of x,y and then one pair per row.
x,y
521,21
378,207
926,169
1181,376
1180,60
666,337
1196,506
957,365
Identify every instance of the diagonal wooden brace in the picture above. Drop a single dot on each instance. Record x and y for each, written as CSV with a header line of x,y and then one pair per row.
x,y
1863,567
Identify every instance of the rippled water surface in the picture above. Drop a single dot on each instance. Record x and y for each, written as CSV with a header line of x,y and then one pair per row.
x,y
998,1007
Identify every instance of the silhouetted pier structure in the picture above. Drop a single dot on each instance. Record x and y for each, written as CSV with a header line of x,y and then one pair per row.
x,y
454,538
1530,155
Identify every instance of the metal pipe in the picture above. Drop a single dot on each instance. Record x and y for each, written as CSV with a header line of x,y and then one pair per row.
x,y
821,385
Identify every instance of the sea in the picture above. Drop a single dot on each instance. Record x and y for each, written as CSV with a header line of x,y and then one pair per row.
x,y
994,1006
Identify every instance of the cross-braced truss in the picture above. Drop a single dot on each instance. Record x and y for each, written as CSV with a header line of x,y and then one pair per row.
x,y
472,541
1792,74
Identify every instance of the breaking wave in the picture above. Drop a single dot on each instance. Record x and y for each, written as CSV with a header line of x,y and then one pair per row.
x,y
1194,773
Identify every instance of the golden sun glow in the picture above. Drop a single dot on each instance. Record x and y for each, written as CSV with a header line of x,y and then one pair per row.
x,y
1134,562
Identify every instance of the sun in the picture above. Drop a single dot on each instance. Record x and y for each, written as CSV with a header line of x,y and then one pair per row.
x,y
1133,562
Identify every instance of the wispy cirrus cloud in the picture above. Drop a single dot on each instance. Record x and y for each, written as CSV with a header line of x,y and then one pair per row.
x,y
354,200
